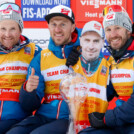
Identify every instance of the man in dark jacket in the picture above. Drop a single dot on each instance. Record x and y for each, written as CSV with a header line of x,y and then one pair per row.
x,y
118,32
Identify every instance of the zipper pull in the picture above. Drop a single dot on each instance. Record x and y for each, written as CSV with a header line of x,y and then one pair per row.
x,y
63,53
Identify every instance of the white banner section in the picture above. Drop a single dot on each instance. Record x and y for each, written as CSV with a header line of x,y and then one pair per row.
x,y
4,1
38,36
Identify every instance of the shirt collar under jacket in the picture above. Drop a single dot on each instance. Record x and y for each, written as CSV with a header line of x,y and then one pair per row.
x,y
90,67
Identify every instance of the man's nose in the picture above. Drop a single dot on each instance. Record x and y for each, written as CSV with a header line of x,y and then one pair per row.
x,y
57,28
113,33
90,45
7,33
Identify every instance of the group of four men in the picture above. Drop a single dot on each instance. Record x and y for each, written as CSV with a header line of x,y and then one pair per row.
x,y
26,83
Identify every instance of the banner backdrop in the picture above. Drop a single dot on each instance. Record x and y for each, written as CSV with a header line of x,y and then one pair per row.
x,y
38,36
36,10
87,10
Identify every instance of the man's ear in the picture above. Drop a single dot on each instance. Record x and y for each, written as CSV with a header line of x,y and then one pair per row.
x,y
80,42
73,27
129,34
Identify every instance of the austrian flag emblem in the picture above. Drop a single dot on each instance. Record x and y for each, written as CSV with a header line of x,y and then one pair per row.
x,y
65,11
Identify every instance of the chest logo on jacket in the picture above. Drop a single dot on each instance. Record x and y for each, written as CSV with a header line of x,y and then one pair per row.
x,y
27,50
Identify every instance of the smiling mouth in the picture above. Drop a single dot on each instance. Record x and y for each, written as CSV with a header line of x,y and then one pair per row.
x,y
91,53
58,35
114,40
7,39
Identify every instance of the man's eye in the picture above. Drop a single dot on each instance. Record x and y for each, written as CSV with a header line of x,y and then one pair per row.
x,y
13,29
53,24
62,25
117,28
107,30
96,41
87,40
2,28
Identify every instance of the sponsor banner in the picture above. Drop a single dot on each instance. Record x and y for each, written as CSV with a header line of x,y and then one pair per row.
x,y
4,1
38,36
87,10
36,10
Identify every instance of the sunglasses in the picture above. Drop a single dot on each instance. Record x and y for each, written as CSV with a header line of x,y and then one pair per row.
x,y
113,8
13,6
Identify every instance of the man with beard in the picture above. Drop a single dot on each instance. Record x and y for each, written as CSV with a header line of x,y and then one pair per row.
x,y
16,53
118,32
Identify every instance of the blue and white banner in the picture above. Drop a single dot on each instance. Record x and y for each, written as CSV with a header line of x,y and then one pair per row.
x,y
36,10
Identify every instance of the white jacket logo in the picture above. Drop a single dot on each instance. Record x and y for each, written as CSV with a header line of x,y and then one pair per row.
x,y
47,54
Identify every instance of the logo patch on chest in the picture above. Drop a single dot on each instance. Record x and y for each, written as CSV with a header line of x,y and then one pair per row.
x,y
27,50
103,70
